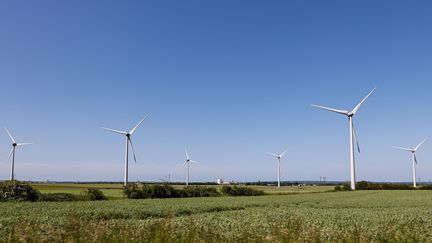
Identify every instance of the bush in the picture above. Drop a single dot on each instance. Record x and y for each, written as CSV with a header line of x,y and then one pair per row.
x,y
136,191
199,191
426,187
17,191
163,191
338,188
133,191
365,185
94,194
60,197
240,191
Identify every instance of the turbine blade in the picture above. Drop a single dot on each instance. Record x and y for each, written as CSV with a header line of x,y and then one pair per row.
x,y
139,123
420,144
282,154
355,138
10,154
361,102
400,148
116,131
22,144
13,140
133,151
187,154
415,158
343,112
185,163
275,155
193,161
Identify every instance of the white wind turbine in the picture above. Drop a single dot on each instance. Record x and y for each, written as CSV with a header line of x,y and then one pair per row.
x,y
353,135
278,157
128,141
12,153
188,163
414,159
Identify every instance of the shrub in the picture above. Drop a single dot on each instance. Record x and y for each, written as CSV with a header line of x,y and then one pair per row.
x,y
365,185
17,191
338,188
241,191
95,194
132,191
199,191
163,191
426,187
137,191
60,197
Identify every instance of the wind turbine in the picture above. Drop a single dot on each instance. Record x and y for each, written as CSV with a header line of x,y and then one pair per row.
x,y
12,152
353,135
188,163
414,158
278,157
128,141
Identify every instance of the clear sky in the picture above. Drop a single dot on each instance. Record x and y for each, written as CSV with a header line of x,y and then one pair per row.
x,y
228,79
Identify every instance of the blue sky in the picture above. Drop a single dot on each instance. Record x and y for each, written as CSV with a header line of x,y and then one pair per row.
x,y
228,79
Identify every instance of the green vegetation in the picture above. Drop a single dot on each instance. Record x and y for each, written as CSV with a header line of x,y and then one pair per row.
x,y
360,216
94,194
17,191
366,185
143,191
241,191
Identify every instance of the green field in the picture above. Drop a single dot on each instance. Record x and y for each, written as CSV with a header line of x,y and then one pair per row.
x,y
360,216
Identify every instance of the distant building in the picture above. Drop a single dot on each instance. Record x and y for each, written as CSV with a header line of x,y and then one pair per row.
x,y
222,182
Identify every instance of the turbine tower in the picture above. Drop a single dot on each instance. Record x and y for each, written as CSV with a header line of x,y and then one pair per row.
x,y
128,141
414,159
278,157
12,153
352,135
188,163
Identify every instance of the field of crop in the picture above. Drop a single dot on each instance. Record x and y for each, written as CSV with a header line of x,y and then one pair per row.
x,y
361,216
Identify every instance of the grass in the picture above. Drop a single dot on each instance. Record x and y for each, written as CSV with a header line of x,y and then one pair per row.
x,y
360,216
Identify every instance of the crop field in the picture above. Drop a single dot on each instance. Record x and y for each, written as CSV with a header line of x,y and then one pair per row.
x,y
360,216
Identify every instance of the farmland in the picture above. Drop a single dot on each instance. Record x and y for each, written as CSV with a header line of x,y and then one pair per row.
x,y
331,216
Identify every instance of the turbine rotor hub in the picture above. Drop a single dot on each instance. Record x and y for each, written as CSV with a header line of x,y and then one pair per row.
x,y
14,144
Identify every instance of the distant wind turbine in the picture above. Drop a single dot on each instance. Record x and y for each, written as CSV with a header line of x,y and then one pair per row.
x,y
414,159
278,157
12,153
128,141
187,163
353,135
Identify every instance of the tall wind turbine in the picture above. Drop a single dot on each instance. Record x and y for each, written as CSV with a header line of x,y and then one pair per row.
x,y
128,141
12,153
278,157
188,163
414,159
353,135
